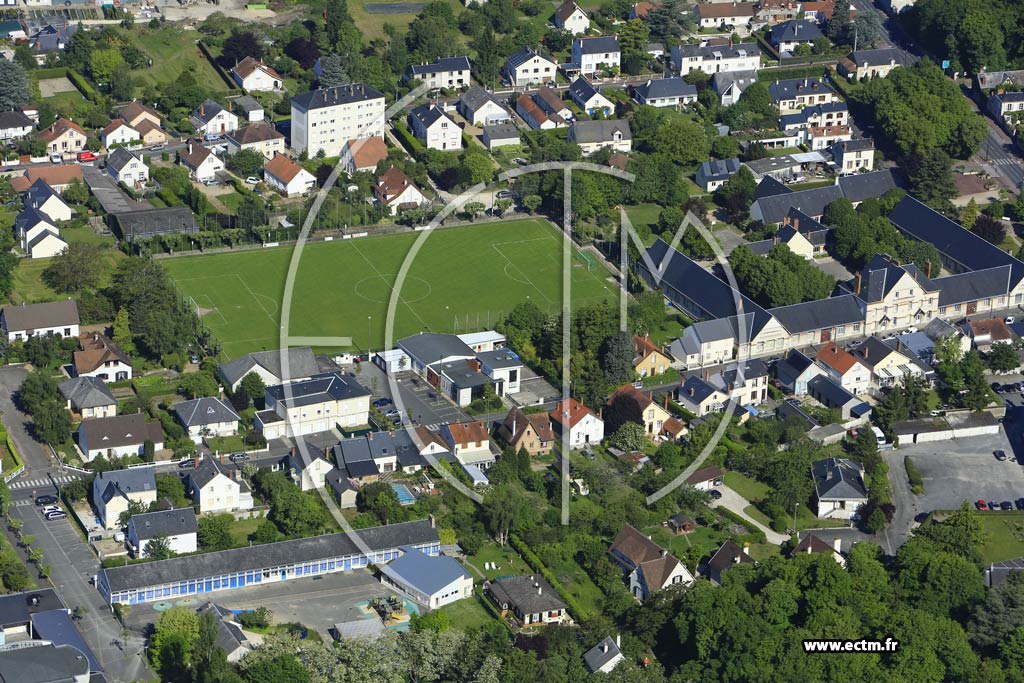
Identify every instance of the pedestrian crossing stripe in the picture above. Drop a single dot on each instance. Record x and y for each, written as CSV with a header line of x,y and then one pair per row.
x,y
39,483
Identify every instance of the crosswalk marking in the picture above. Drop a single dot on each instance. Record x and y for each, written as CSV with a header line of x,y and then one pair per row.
x,y
22,503
39,483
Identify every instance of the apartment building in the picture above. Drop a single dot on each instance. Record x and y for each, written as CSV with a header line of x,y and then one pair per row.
x,y
326,119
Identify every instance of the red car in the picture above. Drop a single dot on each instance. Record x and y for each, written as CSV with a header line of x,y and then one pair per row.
x,y
87,156
981,505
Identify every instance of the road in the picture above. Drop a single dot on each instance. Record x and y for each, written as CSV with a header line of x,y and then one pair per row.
x,y
735,503
71,561
997,151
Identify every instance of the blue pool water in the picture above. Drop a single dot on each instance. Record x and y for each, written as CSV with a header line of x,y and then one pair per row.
x,y
405,496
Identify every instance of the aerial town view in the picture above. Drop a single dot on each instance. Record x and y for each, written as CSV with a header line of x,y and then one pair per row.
x,y
526,341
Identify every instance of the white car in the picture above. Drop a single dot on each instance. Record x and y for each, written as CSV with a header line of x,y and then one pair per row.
x,y
252,180
1010,319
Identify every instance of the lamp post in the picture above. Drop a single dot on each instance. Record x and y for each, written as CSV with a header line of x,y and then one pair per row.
x,y
795,506
369,324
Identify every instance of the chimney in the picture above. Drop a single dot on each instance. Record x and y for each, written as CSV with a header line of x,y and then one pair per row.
x,y
664,552
540,590
928,270
809,551
707,375
746,548
433,521
856,289
666,402
899,344
866,350
618,640
837,544
796,224
691,391
604,647
190,148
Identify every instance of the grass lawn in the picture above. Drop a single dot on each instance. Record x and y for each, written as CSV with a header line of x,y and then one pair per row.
x,y
173,51
231,201
241,529
28,275
643,214
748,487
463,279
1005,535
371,25
226,444
66,102
509,561
669,330
468,613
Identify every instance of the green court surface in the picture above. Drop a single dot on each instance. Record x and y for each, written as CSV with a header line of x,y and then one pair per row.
x,y
463,279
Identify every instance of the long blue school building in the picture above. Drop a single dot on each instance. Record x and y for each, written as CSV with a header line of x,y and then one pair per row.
x,y
261,564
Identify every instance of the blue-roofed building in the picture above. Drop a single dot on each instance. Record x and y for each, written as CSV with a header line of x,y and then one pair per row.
x,y
433,581
789,35
56,626
583,93
665,92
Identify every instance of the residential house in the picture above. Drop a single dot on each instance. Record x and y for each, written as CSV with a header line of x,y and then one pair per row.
x,y
535,117
317,404
529,600
829,393
14,125
89,397
731,85
532,432
583,426
707,342
230,636
1007,108
894,7
127,167
592,55
843,366
839,487
571,18
363,154
500,135
469,442
309,466
705,478
112,490
45,244
552,103
178,527
202,163
583,93
57,176
21,321
771,12
529,67
681,524
984,333
606,655
249,108
700,397
647,566
480,108
120,435
818,115
656,50
43,198
431,580
714,59
119,133
820,11
342,488
434,128
210,118
812,544
447,72
851,156
216,489
794,94
272,367
260,137
789,35
134,113
594,135
100,357
888,366
152,133
640,10
711,175
726,557
287,177
640,407
252,75
31,223
63,137
665,92
395,192
206,416
725,15
48,34
870,63
650,359
365,458
795,371
326,119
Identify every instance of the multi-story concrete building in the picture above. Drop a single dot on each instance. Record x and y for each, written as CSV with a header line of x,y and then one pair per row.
x,y
326,119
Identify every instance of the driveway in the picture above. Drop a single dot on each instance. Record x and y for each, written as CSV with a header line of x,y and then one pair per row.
x,y
832,267
735,503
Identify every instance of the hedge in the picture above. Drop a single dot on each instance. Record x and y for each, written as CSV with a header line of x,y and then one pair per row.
x,y
53,72
913,476
217,67
575,609
412,145
744,522
83,87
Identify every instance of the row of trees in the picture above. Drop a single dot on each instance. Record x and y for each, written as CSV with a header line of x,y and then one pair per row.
x,y
780,279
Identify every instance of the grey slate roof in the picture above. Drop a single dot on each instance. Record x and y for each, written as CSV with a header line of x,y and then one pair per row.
x,y
330,97
124,482
526,594
15,119
21,317
858,145
247,104
861,186
43,664
55,625
300,361
694,391
525,54
728,555
87,392
790,88
427,114
600,131
501,131
430,347
442,64
601,654
718,170
357,455
753,368
207,111
203,411
973,286
793,364
713,52
121,157
29,218
269,555
723,79
207,470
820,314
879,57
39,193
165,523
582,89
957,245
137,224
838,479
598,44
476,97
229,635
769,186
795,30
811,202
16,609
120,430
665,87
425,573
833,393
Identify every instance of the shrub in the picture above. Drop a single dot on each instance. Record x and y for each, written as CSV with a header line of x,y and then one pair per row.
x,y
913,476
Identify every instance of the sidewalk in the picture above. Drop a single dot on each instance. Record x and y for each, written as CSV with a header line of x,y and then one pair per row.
x,y
735,503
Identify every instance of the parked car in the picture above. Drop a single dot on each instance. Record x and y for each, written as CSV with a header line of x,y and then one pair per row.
x,y
56,158
252,180
504,194
393,413
1000,455
1020,503
46,500
382,402
519,161
86,155
715,494
50,508
158,148
993,505
187,464
52,516
981,505
1006,505
193,359
211,182
239,457
1010,319
997,387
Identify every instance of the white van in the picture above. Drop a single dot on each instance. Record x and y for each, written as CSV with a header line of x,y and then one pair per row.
x,y
879,436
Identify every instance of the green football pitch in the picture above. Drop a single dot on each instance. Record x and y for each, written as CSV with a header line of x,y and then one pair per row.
x,y
463,279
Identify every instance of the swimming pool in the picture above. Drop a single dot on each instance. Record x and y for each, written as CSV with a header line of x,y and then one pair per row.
x,y
405,496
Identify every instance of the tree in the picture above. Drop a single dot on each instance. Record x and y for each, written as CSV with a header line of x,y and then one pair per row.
x,y
869,29
332,71
159,548
215,532
252,384
488,57
123,332
76,192
931,178
135,507
629,437
281,668
74,269
473,209
122,85
252,213
239,45
177,627
14,88
617,359
682,141
198,384
172,487
737,194
335,17
24,56
990,229
103,63
838,27
266,532
532,202
247,162
255,618
1002,358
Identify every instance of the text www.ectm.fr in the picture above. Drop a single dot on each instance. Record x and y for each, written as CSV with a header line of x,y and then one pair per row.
x,y
887,645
